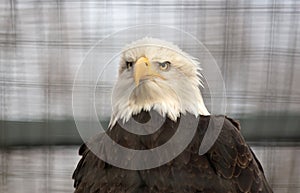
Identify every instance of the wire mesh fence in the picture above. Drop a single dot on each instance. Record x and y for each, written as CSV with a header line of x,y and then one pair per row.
x,y
49,169
42,43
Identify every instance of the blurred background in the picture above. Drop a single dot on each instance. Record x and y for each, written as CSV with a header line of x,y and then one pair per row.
x,y
256,44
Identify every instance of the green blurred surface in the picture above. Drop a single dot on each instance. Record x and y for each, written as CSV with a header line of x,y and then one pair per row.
x,y
271,129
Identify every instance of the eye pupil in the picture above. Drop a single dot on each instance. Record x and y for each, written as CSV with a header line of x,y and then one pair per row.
x,y
164,65
129,64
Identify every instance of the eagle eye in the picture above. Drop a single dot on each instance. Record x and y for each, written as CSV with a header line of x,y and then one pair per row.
x,y
129,64
164,65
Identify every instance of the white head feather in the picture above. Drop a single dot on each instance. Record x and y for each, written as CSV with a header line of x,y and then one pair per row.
x,y
177,93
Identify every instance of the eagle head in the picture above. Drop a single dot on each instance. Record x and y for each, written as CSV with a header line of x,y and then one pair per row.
x,y
156,75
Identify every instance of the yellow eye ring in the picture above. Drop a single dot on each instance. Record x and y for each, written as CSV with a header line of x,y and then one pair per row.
x,y
164,65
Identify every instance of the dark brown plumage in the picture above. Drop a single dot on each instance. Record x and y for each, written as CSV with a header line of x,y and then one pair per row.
x,y
228,167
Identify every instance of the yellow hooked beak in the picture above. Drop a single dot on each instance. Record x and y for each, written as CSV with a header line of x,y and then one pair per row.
x,y
144,70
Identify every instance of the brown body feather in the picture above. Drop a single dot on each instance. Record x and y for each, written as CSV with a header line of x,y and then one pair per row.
x,y
228,167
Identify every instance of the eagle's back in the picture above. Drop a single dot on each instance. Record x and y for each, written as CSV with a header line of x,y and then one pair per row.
x,y
229,166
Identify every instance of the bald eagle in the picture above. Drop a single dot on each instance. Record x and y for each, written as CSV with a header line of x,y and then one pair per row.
x,y
155,75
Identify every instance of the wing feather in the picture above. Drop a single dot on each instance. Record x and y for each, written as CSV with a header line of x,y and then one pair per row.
x,y
229,166
233,159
